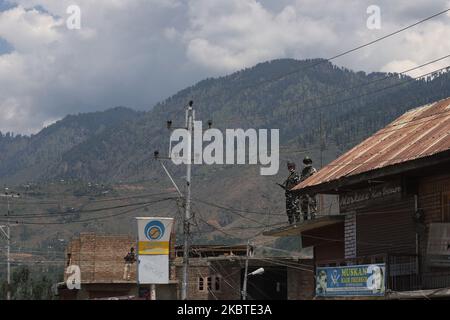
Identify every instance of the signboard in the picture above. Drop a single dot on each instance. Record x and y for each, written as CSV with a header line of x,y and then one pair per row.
x,y
358,280
360,198
438,251
153,249
154,235
153,269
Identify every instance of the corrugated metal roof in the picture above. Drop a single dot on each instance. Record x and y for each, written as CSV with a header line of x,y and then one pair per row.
x,y
419,133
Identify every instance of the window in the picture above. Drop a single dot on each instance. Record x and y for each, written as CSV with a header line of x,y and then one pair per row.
x,y
201,284
209,283
213,283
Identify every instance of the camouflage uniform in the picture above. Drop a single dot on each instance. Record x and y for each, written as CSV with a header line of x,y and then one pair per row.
x,y
292,201
308,203
130,258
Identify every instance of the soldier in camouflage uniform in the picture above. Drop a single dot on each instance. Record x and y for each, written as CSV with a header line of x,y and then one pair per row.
x,y
308,203
292,201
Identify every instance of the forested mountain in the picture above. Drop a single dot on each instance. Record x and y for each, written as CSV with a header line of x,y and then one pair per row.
x,y
104,160
34,158
118,144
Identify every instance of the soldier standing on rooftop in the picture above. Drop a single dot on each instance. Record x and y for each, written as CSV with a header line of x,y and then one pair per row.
x,y
130,258
292,201
308,203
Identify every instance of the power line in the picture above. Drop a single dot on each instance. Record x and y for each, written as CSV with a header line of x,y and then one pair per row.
x,y
236,210
257,227
389,35
26,201
357,48
265,226
50,215
220,265
369,93
392,125
224,278
414,122
347,51
283,264
380,90
390,244
222,231
377,91
247,218
96,218
388,76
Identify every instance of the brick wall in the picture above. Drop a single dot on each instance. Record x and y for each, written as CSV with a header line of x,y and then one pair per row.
x,y
431,190
100,257
196,269
228,277
430,200
300,284
231,281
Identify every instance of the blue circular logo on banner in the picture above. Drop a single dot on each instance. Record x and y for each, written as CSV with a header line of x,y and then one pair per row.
x,y
154,230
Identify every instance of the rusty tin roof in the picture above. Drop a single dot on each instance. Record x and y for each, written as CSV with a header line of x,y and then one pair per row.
x,y
418,133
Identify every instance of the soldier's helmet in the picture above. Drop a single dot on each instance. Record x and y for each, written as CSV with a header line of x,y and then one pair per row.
x,y
307,161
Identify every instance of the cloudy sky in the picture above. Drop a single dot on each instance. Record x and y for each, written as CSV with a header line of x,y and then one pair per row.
x,y
137,52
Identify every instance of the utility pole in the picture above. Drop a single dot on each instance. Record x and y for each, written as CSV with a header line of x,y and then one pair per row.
x,y
190,118
153,292
8,253
189,126
244,286
7,232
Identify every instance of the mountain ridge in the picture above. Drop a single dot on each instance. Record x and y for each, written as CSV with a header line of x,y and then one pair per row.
x,y
117,144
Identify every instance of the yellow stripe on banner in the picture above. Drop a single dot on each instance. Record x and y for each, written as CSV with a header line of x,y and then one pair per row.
x,y
153,247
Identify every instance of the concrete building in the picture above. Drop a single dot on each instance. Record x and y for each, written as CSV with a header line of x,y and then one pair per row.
x,y
219,275
215,273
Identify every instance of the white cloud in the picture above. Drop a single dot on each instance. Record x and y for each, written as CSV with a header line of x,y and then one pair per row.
x,y
232,34
137,52
32,29
419,47
119,57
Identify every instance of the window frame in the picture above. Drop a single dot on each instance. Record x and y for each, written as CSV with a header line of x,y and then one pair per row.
x,y
201,284
210,283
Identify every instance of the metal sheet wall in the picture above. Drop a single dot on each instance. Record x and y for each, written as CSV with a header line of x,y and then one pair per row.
x,y
388,227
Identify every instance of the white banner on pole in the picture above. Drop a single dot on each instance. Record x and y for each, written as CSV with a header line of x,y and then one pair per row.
x,y
153,249
153,269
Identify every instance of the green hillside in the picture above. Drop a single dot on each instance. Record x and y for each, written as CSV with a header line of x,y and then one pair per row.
x,y
84,158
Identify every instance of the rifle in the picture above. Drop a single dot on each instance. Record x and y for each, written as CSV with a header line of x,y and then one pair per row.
x,y
284,188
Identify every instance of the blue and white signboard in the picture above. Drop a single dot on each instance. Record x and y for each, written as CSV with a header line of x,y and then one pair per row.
x,y
153,249
358,280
